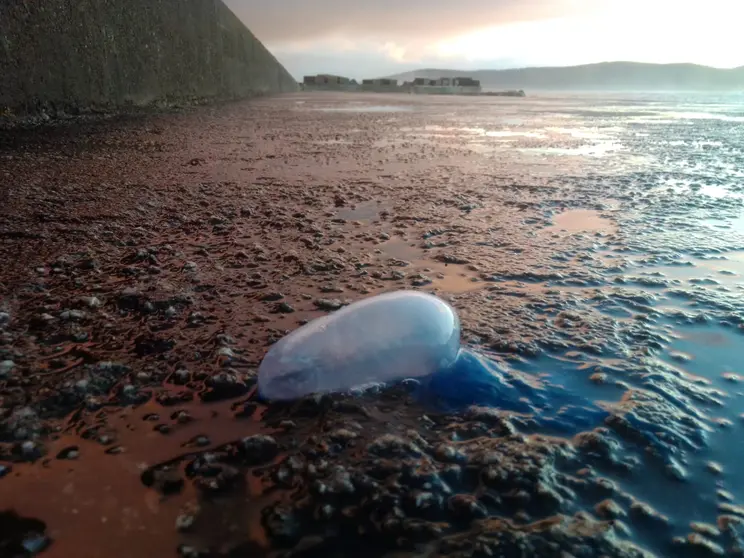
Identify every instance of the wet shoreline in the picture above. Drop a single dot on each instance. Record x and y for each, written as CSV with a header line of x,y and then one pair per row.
x,y
148,264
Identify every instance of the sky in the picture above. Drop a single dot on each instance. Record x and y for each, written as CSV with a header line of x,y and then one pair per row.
x,y
375,38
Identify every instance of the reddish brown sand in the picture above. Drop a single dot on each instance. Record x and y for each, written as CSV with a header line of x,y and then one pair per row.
x,y
222,214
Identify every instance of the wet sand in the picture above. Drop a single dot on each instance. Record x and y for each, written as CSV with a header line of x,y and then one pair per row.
x,y
149,262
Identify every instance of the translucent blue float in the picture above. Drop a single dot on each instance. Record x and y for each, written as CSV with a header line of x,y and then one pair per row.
x,y
410,335
382,339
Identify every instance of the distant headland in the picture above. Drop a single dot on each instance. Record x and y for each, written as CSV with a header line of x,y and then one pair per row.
x,y
605,76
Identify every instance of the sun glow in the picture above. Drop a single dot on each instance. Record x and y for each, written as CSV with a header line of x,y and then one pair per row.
x,y
662,32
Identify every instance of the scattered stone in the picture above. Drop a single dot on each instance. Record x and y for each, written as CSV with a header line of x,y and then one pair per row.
x,y
283,308
465,506
705,529
420,280
695,542
6,367
389,445
91,302
609,509
73,315
451,259
328,305
259,449
676,471
71,452
184,522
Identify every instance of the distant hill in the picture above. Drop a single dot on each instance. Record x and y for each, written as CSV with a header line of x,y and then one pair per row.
x,y
607,76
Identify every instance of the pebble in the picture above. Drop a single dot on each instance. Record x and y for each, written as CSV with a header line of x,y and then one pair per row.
x,y
34,544
6,366
701,546
184,522
676,471
259,448
30,449
185,551
609,509
283,308
72,452
328,304
73,315
91,302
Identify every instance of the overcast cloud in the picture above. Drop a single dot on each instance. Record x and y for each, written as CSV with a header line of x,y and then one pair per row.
x,y
278,21
369,38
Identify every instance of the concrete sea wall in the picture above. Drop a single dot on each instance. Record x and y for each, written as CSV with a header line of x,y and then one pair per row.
x,y
75,55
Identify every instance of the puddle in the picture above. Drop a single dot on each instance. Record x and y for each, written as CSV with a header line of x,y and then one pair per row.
x,y
452,282
597,150
366,108
402,250
364,211
581,220
449,278
727,269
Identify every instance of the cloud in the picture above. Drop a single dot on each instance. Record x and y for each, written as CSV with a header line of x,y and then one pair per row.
x,y
281,21
369,38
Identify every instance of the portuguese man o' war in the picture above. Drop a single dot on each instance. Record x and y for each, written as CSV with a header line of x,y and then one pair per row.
x,y
406,335
382,339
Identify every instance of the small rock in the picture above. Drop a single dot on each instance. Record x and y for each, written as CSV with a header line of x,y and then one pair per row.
x,y
190,266
342,435
705,529
389,445
609,509
91,302
676,471
30,449
185,551
184,522
71,452
283,308
259,448
328,304
73,315
6,366
420,280
33,544
700,545
725,495
713,467
466,506
598,378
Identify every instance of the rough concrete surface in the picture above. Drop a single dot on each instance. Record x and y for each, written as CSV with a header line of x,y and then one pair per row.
x,y
74,55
